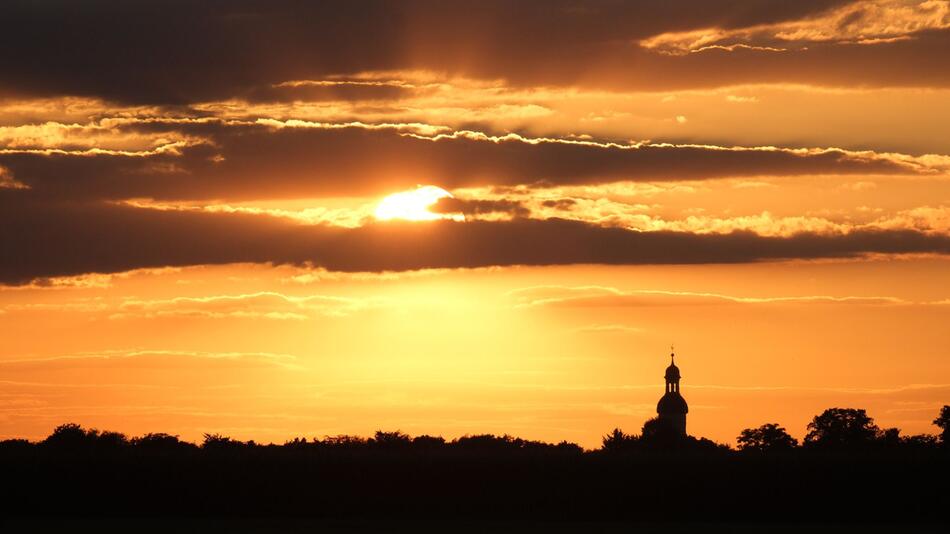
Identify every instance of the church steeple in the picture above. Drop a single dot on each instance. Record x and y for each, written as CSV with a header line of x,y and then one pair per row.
x,y
672,408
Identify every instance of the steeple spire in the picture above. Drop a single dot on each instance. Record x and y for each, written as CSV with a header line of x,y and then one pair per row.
x,y
672,407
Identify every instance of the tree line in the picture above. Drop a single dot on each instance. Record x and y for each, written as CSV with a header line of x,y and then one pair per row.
x,y
835,429
847,469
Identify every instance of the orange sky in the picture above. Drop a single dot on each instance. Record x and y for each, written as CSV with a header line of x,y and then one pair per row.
x,y
190,243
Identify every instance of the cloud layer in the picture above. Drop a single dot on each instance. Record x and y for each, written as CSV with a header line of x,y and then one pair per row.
x,y
171,138
180,53
280,159
65,240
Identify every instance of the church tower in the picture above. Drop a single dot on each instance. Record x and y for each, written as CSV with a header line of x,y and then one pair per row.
x,y
672,407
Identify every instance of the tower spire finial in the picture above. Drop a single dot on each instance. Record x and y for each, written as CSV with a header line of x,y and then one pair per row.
x,y
672,353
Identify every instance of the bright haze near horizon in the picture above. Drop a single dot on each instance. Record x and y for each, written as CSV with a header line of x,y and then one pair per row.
x,y
269,220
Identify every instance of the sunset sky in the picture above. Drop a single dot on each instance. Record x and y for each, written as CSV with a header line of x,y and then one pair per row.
x,y
198,234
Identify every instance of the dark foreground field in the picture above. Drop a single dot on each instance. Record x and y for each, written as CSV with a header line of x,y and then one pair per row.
x,y
465,488
190,525
848,474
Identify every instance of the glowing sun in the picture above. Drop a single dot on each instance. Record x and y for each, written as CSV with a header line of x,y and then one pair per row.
x,y
414,205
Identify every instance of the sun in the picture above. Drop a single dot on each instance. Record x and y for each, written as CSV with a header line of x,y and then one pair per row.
x,y
414,205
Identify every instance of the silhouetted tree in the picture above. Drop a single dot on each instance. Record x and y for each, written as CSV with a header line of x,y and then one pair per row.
x,y
428,442
160,442
487,442
390,440
15,445
296,443
107,438
769,437
919,441
889,437
72,437
393,474
659,434
706,446
343,442
491,444
67,436
218,442
569,448
617,441
943,421
838,428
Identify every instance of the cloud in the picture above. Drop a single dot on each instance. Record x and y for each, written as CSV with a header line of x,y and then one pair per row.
x,y
50,240
741,99
560,204
203,52
868,22
480,209
106,135
320,159
857,390
617,205
8,182
870,63
597,296
349,217
184,159
88,280
261,305
924,218
928,218
332,90
150,359
609,328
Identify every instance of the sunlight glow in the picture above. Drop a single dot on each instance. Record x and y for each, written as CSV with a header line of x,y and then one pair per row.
x,y
414,205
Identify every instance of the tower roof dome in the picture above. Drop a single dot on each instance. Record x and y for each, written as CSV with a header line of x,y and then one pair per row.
x,y
671,404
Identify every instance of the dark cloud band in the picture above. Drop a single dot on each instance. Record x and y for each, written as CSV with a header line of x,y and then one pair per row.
x,y
257,161
60,240
179,52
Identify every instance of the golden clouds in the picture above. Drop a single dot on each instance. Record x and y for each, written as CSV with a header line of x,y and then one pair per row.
x,y
357,213
880,21
907,120
731,205
262,305
8,182
526,185
103,137
600,296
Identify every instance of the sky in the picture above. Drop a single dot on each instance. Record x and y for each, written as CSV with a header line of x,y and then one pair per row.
x,y
282,219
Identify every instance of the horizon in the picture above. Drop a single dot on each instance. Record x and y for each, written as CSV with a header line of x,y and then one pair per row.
x,y
818,438
266,220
